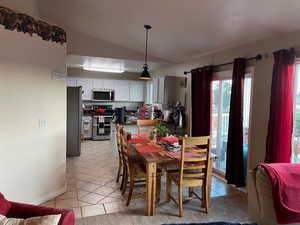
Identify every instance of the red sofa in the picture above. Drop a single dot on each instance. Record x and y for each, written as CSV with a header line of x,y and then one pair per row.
x,y
20,210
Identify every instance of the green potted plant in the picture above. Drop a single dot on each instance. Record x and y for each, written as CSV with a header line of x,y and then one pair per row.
x,y
161,131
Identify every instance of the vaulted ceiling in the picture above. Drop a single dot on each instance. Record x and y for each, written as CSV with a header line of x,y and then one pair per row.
x,y
181,28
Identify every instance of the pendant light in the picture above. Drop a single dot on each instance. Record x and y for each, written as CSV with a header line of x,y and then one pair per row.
x,y
145,74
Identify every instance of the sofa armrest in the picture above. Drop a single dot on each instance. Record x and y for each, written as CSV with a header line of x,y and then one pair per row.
x,y
20,210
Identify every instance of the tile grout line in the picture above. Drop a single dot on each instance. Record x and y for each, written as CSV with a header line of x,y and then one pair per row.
x,y
81,211
103,205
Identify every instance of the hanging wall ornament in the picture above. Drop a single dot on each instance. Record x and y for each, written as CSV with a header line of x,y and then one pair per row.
x,y
12,20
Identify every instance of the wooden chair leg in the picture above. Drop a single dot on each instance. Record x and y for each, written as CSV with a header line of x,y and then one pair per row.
x,y
123,177
169,188
190,192
180,200
206,199
119,169
158,188
131,186
125,181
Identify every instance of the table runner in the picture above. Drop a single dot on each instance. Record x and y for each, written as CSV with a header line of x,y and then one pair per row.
x,y
138,141
143,135
147,148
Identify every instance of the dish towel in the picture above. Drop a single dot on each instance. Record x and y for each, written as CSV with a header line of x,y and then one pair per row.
x,y
285,180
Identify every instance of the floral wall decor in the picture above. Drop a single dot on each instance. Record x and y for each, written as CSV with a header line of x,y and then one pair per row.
x,y
12,20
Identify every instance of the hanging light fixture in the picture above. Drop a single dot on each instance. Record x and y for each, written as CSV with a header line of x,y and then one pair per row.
x,y
145,74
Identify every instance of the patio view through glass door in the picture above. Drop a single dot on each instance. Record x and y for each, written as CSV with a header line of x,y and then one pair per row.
x,y
221,92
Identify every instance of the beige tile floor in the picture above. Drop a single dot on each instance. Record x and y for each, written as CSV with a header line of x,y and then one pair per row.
x,y
91,186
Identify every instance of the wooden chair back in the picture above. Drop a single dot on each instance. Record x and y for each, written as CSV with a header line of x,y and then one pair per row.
x,y
125,137
146,126
119,128
194,170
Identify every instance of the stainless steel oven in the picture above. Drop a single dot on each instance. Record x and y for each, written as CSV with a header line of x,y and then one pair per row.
x,y
101,127
102,122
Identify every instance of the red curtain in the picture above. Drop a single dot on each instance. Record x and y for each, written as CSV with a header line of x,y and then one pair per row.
x,y
201,95
279,139
235,162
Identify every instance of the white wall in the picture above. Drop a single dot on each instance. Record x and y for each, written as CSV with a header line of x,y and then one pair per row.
x,y
261,89
32,159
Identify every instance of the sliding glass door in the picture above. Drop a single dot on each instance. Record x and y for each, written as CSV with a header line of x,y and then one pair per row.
x,y
221,92
220,118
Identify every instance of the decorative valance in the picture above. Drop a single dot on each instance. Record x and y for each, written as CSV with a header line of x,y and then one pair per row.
x,y
12,20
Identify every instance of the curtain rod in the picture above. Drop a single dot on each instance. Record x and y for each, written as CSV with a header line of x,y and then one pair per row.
x,y
257,58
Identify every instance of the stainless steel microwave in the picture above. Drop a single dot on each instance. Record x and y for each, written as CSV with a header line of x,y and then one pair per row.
x,y
103,94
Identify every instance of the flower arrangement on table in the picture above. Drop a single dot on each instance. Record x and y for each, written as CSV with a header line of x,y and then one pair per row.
x,y
162,135
159,131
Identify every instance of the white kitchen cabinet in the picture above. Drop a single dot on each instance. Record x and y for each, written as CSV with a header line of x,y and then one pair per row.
x,y
104,83
122,90
71,82
161,90
87,86
137,89
155,90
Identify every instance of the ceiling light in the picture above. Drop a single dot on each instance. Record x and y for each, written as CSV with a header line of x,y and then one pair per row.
x,y
145,74
99,69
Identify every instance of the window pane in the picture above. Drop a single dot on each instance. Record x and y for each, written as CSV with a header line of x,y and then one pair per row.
x,y
246,114
224,122
220,120
215,110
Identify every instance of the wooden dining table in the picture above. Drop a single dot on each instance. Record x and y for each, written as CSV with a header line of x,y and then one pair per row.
x,y
152,160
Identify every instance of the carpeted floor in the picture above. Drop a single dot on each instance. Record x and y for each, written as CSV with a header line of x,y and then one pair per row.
x,y
231,208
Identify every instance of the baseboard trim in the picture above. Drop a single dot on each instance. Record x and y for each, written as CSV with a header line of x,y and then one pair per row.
x,y
50,196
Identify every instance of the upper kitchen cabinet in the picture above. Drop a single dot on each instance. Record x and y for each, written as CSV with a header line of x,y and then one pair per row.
x,y
156,90
161,90
137,89
104,83
122,90
71,82
87,86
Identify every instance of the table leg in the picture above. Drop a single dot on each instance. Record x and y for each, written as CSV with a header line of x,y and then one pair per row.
x,y
151,189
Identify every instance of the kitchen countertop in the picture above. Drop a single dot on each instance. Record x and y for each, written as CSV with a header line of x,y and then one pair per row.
x,y
130,122
127,123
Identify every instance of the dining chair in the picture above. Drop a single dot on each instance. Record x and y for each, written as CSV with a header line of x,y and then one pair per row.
x,y
194,171
118,137
134,171
146,126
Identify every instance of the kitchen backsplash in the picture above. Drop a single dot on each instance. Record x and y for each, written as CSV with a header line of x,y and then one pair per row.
x,y
128,105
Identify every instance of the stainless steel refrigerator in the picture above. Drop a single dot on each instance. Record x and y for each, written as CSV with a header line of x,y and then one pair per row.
x,y
74,117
